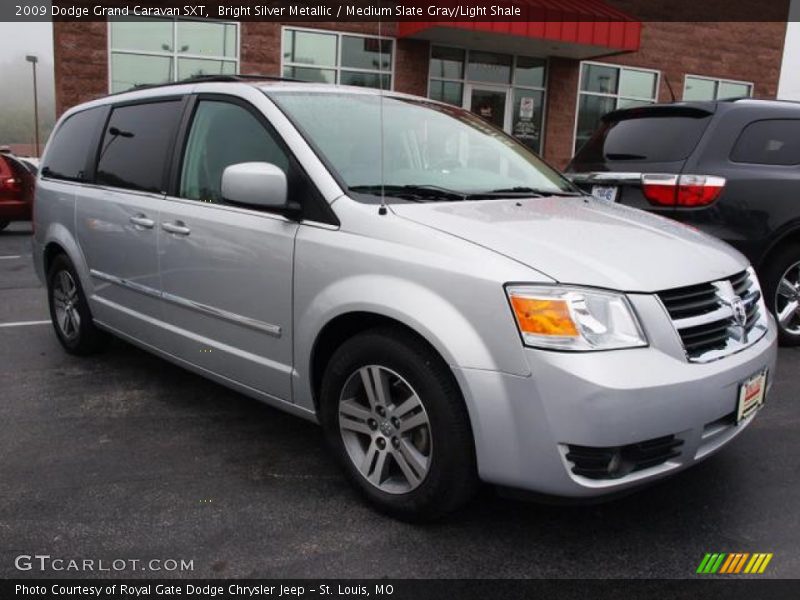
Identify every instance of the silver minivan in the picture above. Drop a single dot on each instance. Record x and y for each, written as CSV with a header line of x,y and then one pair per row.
x,y
447,306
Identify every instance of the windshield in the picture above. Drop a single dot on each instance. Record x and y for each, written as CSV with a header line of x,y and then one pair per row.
x,y
447,152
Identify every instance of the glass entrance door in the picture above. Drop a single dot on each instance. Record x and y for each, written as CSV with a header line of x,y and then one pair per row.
x,y
489,103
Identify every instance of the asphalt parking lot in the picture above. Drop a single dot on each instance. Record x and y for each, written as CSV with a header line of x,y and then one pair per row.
x,y
126,456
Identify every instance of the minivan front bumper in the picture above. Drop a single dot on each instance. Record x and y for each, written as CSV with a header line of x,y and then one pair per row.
x,y
524,426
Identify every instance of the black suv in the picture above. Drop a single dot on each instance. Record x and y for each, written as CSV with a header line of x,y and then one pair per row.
x,y
730,168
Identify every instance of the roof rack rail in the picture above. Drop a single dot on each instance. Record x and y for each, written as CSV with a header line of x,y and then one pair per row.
x,y
239,77
209,79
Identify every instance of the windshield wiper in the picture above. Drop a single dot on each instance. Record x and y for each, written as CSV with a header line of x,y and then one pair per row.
x,y
426,192
524,191
416,193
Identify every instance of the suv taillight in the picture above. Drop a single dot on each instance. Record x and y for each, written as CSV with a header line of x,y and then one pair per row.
x,y
681,190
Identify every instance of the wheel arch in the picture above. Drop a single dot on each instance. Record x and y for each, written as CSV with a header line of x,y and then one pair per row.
x,y
59,240
789,236
51,250
344,327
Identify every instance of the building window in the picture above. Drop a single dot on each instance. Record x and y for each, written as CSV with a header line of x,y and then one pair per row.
x,y
604,88
164,50
707,88
331,57
504,89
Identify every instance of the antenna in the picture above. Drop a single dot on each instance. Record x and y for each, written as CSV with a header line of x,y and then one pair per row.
x,y
382,210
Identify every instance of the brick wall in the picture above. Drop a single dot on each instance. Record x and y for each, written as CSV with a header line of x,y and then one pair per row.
x,y
81,62
81,59
411,67
741,51
733,50
562,87
727,50
261,43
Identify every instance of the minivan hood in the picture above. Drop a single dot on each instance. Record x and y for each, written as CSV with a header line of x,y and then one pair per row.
x,y
583,241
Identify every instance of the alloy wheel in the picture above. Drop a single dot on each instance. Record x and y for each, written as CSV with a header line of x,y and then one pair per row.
x,y
65,301
385,429
787,300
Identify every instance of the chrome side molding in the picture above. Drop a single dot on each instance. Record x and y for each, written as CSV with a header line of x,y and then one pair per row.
x,y
126,283
268,328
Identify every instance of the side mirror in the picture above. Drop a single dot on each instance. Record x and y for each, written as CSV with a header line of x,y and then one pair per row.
x,y
260,184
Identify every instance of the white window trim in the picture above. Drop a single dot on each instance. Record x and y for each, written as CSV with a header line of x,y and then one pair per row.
x,y
617,97
717,80
338,68
466,83
174,54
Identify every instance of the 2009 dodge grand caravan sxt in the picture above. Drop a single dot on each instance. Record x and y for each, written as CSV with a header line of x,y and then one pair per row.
x,y
448,307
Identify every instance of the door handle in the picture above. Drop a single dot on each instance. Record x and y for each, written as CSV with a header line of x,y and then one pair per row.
x,y
178,228
141,220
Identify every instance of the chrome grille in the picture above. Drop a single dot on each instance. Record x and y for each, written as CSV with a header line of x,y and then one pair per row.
x,y
718,318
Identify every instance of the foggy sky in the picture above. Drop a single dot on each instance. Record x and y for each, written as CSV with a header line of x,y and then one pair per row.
x,y
16,80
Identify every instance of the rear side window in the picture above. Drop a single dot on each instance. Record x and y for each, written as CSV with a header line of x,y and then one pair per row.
x,y
769,142
72,143
136,146
653,138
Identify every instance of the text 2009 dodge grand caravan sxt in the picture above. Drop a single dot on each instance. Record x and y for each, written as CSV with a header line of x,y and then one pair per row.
x,y
484,321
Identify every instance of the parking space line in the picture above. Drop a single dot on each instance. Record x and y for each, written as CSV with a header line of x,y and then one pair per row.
x,y
23,323
11,257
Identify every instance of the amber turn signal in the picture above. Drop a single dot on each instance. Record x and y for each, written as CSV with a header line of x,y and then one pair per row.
x,y
543,316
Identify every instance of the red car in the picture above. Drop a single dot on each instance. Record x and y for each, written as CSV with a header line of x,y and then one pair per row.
x,y
17,178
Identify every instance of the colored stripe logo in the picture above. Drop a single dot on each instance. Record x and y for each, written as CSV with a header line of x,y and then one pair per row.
x,y
734,563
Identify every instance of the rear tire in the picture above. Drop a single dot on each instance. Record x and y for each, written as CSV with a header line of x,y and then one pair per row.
x,y
409,447
4,224
782,292
69,310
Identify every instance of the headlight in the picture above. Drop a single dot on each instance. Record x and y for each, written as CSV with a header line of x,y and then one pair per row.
x,y
567,318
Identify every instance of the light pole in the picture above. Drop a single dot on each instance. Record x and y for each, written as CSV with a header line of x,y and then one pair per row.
x,y
33,59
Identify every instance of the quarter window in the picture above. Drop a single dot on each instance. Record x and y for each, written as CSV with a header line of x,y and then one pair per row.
x,y
162,50
224,134
72,143
604,88
331,57
136,145
769,142
708,88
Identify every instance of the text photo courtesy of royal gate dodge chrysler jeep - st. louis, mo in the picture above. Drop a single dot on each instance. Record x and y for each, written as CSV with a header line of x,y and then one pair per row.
x,y
409,300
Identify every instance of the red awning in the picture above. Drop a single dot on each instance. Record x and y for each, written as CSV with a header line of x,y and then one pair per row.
x,y
572,28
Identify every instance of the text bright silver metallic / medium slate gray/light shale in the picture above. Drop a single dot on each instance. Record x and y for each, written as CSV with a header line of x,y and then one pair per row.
x,y
447,306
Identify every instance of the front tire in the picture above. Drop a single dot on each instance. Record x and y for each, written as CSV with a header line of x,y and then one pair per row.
x,y
69,310
782,293
395,418
4,224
